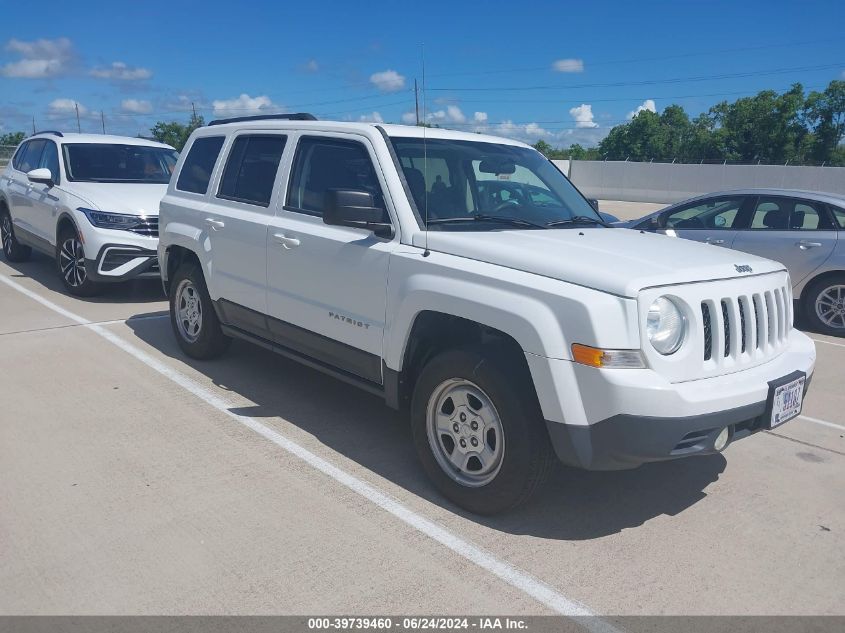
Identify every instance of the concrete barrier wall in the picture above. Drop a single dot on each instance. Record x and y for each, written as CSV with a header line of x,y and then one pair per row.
x,y
666,183
562,165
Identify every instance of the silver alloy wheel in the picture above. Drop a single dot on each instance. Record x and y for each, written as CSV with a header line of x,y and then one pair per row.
x,y
72,262
465,432
188,311
830,306
6,234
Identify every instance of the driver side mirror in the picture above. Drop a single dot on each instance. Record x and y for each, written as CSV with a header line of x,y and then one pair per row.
x,y
348,207
41,175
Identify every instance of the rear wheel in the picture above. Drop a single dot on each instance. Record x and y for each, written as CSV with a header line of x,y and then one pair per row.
x,y
192,315
824,305
13,250
70,260
478,430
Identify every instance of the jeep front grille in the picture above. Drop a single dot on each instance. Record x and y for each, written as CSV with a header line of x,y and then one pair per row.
x,y
761,319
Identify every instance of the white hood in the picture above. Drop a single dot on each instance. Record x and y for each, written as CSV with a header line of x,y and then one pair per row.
x,y
620,261
120,197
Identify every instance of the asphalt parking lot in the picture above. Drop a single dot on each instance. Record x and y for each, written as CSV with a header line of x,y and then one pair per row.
x,y
137,481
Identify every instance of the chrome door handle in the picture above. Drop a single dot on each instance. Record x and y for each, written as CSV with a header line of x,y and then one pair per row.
x,y
285,241
710,240
806,244
215,225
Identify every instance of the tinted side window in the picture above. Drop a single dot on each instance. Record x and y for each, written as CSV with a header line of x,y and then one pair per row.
x,y
50,160
784,214
323,164
199,163
18,158
839,215
32,155
718,213
251,169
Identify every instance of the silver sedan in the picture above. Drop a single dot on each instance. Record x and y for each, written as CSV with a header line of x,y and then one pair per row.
x,y
802,229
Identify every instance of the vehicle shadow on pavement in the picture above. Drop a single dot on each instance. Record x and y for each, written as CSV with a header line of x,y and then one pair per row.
x,y
42,269
574,504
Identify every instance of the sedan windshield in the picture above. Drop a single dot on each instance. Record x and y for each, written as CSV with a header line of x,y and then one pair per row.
x,y
474,186
108,162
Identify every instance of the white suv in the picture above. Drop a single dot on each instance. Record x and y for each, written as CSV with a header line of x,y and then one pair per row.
x,y
515,328
90,201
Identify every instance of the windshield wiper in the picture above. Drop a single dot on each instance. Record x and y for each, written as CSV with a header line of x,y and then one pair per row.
x,y
579,219
481,217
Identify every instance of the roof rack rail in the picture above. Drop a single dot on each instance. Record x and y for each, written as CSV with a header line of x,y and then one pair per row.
x,y
296,116
56,132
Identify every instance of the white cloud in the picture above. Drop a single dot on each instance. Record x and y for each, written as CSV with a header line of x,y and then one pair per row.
x,y
60,108
118,71
136,106
452,114
529,132
40,59
569,66
244,105
583,115
409,118
480,118
372,117
648,104
388,81
311,66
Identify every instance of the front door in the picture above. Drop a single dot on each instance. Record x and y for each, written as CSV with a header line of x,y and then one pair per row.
x,y
798,233
712,220
43,198
327,285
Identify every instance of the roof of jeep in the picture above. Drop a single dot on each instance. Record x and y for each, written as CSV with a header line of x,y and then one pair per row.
x,y
391,129
110,139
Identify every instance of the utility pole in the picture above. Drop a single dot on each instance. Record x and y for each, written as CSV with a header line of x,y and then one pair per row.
x,y
103,120
417,101
194,109
33,124
78,126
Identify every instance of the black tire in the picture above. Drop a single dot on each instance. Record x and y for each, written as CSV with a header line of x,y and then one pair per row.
x,y
13,250
70,263
527,452
202,338
826,295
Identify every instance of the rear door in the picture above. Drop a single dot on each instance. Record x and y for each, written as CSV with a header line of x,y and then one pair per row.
x,y
709,220
236,220
798,233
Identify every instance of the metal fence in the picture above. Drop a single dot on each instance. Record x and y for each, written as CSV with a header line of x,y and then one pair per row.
x,y
6,152
666,182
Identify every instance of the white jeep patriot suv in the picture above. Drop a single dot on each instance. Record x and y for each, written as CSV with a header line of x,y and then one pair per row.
x,y
466,281
90,201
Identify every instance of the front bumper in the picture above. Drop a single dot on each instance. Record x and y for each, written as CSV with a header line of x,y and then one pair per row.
x,y
606,419
120,262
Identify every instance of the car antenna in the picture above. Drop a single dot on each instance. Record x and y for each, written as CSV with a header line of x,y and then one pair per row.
x,y
426,252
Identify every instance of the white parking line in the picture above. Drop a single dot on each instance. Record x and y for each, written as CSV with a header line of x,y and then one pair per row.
x,y
832,425
521,580
818,340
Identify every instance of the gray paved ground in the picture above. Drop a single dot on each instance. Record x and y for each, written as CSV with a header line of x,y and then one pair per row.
x,y
123,493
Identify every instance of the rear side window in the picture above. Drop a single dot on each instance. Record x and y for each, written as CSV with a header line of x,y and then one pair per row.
x,y
18,158
32,155
199,163
251,169
323,164
786,214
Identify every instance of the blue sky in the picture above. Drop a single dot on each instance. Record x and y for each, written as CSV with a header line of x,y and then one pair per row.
x,y
563,72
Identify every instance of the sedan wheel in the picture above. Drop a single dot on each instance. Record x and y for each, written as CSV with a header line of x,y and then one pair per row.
x,y
830,307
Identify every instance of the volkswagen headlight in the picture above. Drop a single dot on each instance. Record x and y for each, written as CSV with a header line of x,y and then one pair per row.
x,y
106,220
666,326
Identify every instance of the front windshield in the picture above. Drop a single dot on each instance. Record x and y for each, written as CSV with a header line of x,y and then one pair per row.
x,y
473,186
108,162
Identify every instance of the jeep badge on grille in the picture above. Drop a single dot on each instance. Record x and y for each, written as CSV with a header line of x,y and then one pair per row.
x,y
743,268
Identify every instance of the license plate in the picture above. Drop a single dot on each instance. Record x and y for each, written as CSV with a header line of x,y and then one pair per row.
x,y
786,398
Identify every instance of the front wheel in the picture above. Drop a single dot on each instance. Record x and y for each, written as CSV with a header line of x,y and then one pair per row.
x,y
478,430
70,260
192,315
825,305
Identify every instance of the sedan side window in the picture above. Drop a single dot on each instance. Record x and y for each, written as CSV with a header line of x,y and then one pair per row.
x,y
839,216
784,214
714,213
325,164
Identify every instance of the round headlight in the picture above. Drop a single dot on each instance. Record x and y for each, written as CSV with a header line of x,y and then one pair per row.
x,y
665,326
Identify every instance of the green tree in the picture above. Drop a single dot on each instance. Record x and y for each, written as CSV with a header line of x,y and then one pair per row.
x,y
544,148
12,138
824,113
174,133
